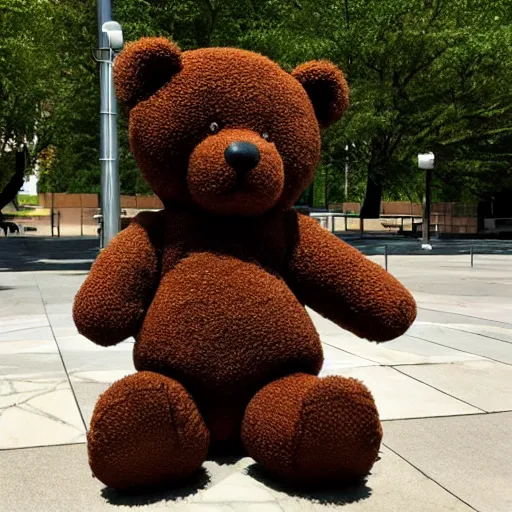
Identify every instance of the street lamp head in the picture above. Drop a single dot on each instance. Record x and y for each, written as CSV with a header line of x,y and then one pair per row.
x,y
426,161
114,35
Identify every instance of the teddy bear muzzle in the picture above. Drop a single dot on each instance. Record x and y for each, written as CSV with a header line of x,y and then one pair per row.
x,y
235,172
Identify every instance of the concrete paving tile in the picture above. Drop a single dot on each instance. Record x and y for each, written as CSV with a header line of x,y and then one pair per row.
x,y
30,364
431,352
490,307
64,331
18,301
28,347
34,340
100,376
399,396
484,384
323,325
78,343
227,507
392,486
236,488
38,410
336,360
465,341
60,479
108,358
403,350
27,333
498,332
61,309
17,279
73,342
13,323
437,316
470,456
62,318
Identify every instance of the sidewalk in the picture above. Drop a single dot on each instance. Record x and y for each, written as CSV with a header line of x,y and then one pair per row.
x,y
444,392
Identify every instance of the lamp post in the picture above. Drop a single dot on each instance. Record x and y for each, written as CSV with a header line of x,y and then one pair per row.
x,y
426,161
110,40
346,172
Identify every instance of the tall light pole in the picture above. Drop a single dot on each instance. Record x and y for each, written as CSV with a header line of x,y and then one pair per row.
x,y
426,161
347,147
110,39
346,173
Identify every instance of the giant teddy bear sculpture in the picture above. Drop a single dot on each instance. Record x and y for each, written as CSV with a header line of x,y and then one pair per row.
x,y
214,286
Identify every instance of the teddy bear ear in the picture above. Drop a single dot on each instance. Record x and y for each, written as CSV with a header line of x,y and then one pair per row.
x,y
143,67
326,87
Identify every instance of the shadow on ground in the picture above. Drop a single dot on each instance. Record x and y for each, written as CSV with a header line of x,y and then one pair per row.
x,y
26,254
400,246
21,254
349,493
135,499
344,495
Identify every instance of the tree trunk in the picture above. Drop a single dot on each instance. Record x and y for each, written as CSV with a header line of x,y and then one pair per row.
x,y
373,197
12,188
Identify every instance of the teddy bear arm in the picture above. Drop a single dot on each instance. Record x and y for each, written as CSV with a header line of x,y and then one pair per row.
x,y
341,284
111,304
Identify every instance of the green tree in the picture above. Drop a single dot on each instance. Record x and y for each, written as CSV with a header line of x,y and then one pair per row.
x,y
47,89
25,84
424,75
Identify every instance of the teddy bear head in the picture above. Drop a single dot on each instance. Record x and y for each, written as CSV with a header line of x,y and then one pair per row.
x,y
222,129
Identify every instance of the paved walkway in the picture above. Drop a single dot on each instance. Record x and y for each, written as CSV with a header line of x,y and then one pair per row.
x,y
444,392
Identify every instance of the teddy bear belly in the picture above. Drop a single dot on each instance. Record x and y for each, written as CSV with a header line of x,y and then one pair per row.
x,y
226,327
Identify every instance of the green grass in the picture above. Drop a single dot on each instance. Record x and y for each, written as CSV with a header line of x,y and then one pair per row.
x,y
43,212
26,199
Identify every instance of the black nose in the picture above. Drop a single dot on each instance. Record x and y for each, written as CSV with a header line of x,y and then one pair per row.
x,y
242,156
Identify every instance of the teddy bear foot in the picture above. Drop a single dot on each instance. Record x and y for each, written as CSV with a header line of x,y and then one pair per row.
x,y
146,431
313,431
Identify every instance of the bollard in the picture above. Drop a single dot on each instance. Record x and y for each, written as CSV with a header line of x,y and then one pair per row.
x,y
471,251
386,257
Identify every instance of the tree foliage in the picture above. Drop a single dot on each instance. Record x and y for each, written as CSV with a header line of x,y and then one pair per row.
x,y
425,75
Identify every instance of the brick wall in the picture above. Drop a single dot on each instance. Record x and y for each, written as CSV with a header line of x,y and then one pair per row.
x,y
61,200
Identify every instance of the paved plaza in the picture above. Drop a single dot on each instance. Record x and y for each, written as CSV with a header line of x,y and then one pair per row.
x,y
444,391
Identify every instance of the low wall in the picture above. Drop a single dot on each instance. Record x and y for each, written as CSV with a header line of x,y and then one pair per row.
x,y
387,208
61,200
401,208
77,213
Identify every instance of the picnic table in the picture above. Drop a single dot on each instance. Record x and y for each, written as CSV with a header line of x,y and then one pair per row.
x,y
391,221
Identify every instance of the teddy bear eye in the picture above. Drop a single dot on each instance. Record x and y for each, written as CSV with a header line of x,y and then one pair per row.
x,y
266,136
214,127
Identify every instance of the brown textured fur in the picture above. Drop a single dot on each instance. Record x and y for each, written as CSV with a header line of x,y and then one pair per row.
x,y
214,286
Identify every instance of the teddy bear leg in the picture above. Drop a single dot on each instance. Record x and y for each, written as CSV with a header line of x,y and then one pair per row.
x,y
146,431
311,430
